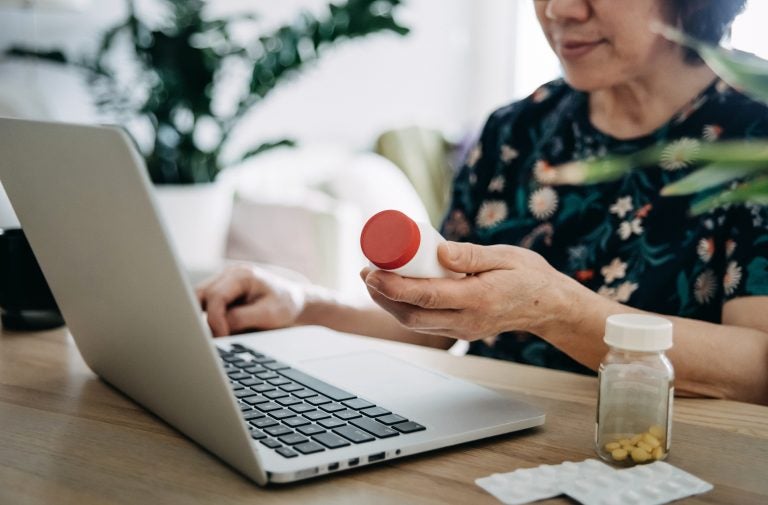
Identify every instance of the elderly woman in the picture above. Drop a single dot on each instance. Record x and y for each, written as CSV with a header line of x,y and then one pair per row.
x,y
550,263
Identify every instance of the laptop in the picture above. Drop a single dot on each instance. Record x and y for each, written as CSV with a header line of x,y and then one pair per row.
x,y
278,406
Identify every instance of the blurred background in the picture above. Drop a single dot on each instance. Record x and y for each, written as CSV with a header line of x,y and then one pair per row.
x,y
273,129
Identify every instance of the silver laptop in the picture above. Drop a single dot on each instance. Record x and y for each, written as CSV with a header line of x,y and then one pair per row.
x,y
278,406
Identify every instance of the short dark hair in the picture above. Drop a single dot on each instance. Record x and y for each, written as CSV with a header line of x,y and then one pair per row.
x,y
707,20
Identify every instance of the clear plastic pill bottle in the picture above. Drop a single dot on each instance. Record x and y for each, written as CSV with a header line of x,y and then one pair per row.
x,y
636,391
394,242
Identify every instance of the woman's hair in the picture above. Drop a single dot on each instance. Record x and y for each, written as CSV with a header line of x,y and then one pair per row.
x,y
707,20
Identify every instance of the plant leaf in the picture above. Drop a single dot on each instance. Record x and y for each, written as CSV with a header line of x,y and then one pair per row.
x,y
710,177
266,147
753,191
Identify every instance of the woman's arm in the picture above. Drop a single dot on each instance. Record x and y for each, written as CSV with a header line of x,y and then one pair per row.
x,y
516,289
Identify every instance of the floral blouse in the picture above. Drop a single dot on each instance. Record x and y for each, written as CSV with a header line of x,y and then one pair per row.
x,y
620,239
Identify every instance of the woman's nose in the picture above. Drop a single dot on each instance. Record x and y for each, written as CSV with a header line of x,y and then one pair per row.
x,y
560,10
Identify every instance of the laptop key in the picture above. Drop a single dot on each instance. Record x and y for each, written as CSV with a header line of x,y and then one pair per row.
x,y
301,408
267,375
347,414
244,392
263,388
290,387
293,439
358,404
312,429
275,394
287,402
318,400
309,448
257,434
330,440
278,431
408,427
264,422
250,382
254,414
332,407
268,407
238,375
390,419
321,387
245,408
316,415
254,400
255,369
331,423
280,381
271,443
304,393
286,452
375,412
295,422
282,414
276,365
353,434
374,428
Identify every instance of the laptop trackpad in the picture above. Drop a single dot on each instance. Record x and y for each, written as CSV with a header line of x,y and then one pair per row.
x,y
377,375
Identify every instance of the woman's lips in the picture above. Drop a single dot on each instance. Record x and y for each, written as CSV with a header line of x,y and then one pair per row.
x,y
577,49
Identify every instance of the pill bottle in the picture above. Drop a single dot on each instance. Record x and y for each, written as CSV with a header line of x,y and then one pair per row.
x,y
394,242
636,391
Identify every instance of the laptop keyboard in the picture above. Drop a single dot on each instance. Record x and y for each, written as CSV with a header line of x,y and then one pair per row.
x,y
296,414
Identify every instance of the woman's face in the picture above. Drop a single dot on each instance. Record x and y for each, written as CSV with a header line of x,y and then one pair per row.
x,y
606,43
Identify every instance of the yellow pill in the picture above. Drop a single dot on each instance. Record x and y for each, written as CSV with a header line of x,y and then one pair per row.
x,y
625,442
658,453
634,440
640,456
646,447
651,440
612,446
619,454
657,431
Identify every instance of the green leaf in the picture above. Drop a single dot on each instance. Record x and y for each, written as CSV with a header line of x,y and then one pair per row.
x,y
744,71
752,191
710,177
266,147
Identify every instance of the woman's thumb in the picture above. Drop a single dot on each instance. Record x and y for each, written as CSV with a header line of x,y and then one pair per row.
x,y
472,258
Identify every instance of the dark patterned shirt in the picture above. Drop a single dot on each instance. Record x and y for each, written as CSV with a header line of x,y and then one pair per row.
x,y
620,239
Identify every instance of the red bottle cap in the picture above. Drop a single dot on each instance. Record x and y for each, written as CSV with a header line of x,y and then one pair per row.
x,y
390,239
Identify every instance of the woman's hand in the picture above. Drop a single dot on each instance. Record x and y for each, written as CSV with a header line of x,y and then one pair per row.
x,y
511,289
246,298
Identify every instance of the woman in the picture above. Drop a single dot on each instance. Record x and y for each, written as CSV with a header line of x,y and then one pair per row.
x,y
551,263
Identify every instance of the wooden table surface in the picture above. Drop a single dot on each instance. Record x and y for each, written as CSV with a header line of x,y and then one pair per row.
x,y
66,437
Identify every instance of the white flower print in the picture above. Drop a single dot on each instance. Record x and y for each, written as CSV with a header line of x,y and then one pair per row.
x,y
543,203
508,153
617,269
722,86
622,206
680,154
706,249
491,213
730,247
456,226
497,184
474,155
624,291
704,288
544,172
732,278
629,228
712,132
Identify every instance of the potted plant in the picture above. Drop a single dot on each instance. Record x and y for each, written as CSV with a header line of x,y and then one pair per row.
x,y
168,103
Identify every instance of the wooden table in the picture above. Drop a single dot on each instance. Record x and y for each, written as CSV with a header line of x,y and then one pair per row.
x,y
66,437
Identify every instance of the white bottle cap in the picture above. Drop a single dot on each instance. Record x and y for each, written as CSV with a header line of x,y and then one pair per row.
x,y
638,332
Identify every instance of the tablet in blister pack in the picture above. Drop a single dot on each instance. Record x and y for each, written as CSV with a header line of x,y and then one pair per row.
x,y
594,483
653,484
546,481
